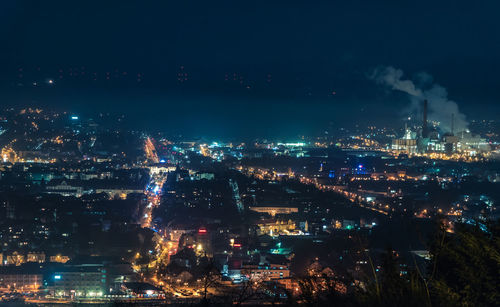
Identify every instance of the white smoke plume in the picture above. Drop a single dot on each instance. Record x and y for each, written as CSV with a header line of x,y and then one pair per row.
x,y
440,107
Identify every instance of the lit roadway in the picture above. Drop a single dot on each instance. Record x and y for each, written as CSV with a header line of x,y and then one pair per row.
x,y
150,151
164,248
153,193
154,188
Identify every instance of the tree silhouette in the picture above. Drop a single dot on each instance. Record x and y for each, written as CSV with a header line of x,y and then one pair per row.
x,y
465,266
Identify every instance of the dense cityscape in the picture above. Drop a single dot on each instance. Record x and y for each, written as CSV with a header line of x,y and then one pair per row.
x,y
94,212
337,153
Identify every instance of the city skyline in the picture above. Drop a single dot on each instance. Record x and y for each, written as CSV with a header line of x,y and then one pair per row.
x,y
230,153
302,65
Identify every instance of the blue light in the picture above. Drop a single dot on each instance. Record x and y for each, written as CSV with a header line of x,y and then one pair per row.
x,y
57,277
74,117
162,161
360,166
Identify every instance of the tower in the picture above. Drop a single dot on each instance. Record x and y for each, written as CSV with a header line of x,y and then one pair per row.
x,y
452,123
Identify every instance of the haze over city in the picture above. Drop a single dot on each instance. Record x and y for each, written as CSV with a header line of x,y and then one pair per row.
x,y
292,153
290,66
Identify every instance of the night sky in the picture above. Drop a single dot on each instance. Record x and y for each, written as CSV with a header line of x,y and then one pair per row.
x,y
246,67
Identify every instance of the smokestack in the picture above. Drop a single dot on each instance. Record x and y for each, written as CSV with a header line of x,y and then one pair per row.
x,y
452,123
425,131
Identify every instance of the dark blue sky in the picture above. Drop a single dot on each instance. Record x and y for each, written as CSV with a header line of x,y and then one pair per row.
x,y
288,58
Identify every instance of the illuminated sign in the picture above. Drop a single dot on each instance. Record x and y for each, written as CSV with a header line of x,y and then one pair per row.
x,y
57,277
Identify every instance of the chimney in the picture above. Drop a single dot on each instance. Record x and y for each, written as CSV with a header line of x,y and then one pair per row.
x,y
425,131
452,123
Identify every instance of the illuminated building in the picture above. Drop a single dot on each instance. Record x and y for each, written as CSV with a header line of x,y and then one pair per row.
x,y
473,143
407,144
9,155
204,176
200,241
266,271
15,259
35,257
270,268
59,258
21,277
274,228
273,210
161,168
63,188
456,146
80,280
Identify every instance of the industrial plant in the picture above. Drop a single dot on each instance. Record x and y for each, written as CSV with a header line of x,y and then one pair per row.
x,y
432,139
